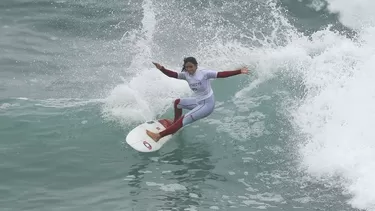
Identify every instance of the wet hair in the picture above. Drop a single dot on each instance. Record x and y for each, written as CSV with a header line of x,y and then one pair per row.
x,y
189,59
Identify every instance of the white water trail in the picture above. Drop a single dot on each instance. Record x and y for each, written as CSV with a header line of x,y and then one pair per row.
x,y
336,117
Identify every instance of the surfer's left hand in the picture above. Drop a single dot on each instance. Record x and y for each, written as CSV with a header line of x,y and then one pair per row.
x,y
244,70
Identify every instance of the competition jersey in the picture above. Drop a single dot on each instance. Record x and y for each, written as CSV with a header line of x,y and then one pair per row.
x,y
199,83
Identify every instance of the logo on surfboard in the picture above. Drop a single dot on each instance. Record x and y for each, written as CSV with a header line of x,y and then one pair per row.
x,y
147,145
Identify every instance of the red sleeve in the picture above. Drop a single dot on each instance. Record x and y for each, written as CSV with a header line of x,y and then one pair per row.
x,y
169,73
224,74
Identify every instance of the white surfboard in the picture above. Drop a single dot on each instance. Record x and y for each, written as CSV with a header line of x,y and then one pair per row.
x,y
140,141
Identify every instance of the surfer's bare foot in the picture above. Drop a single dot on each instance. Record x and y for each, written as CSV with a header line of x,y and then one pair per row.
x,y
154,136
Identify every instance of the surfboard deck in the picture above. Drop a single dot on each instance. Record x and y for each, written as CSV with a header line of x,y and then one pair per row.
x,y
138,139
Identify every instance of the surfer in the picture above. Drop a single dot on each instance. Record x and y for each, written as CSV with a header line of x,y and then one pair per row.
x,y
202,104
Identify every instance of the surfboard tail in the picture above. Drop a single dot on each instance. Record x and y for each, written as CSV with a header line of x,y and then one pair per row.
x,y
138,139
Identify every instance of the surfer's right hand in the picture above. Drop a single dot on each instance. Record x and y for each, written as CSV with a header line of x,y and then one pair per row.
x,y
157,65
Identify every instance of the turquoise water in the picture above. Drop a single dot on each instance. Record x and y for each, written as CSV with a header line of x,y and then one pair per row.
x,y
294,134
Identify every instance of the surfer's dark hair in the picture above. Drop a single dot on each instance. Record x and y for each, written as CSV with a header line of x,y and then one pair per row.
x,y
189,59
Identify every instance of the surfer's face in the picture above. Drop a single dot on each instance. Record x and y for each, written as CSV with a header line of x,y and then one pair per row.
x,y
190,68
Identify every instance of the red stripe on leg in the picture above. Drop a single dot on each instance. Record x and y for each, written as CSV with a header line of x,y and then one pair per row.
x,y
173,128
166,122
177,111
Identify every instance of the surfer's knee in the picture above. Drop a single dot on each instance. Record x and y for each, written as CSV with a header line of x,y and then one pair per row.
x,y
205,111
210,108
187,119
176,102
209,111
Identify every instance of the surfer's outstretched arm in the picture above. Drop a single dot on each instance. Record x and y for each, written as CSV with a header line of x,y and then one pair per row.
x,y
225,74
167,72
228,73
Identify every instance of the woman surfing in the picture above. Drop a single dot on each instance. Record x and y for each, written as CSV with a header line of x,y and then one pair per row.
x,y
202,104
